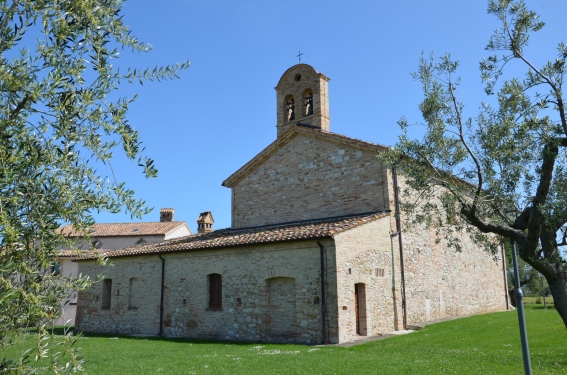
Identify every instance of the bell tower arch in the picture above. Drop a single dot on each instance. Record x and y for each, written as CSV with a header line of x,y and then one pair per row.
x,y
302,97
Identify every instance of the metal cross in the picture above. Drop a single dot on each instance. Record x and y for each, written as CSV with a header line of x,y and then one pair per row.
x,y
299,55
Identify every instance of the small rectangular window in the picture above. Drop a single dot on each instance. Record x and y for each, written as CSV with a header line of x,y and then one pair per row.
x,y
133,294
380,272
106,293
56,269
215,291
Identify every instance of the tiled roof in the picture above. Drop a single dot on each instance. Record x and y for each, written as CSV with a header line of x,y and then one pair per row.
x,y
126,229
70,253
305,230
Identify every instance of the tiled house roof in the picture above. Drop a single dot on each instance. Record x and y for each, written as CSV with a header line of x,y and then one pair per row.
x,y
305,230
70,253
126,229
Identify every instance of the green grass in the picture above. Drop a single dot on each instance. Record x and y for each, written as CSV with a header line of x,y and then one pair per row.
x,y
532,301
485,344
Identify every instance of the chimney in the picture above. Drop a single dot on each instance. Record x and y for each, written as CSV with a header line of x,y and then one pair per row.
x,y
205,222
166,214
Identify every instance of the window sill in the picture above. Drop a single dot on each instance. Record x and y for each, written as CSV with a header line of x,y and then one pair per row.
x,y
213,309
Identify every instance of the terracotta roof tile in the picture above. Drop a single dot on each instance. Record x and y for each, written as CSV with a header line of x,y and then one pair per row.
x,y
306,230
71,253
126,229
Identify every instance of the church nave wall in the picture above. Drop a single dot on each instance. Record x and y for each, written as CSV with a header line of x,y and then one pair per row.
x,y
310,179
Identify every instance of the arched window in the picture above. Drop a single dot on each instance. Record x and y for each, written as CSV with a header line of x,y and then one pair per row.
x,y
308,102
215,291
289,108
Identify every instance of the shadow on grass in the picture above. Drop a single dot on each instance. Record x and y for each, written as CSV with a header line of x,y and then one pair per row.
x,y
186,340
540,307
61,330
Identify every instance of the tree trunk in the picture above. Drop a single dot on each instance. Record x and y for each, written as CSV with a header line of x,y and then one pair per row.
x,y
558,288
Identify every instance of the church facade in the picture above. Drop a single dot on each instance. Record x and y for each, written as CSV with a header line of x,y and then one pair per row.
x,y
314,255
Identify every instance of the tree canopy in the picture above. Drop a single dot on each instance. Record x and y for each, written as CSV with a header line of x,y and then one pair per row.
x,y
60,124
500,175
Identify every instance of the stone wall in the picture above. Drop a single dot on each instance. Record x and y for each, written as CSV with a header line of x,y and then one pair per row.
x,y
69,268
121,317
249,274
441,282
309,179
365,256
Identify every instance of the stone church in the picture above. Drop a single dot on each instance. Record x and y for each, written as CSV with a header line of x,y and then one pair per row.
x,y
314,255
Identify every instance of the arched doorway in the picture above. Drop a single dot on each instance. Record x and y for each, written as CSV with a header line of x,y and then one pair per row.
x,y
282,299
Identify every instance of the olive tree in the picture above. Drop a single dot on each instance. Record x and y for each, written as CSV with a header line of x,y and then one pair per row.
x,y
501,175
60,123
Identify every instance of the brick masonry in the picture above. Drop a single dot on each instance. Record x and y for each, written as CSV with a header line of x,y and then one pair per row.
x,y
309,179
295,83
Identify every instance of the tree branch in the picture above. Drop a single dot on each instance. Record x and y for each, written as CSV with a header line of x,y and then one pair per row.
x,y
488,227
464,142
534,225
9,14
521,221
556,90
19,107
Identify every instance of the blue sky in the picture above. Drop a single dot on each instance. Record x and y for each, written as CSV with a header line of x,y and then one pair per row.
x,y
222,112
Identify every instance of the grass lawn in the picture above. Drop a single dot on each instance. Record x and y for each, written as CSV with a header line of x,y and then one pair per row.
x,y
485,344
532,301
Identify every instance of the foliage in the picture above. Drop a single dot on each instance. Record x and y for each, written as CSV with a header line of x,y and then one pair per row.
x,y
59,127
484,344
501,175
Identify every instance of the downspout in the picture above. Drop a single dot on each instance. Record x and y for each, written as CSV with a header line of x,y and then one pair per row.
x,y
393,265
399,233
505,276
161,297
323,294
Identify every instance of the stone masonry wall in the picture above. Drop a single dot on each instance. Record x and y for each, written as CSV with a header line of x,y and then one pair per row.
x,y
121,318
441,282
309,179
364,255
247,273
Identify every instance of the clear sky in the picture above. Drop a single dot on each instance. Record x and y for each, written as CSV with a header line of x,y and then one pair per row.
x,y
203,127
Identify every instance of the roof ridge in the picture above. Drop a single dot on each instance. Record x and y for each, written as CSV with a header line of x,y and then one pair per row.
x,y
287,223
229,237
133,222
